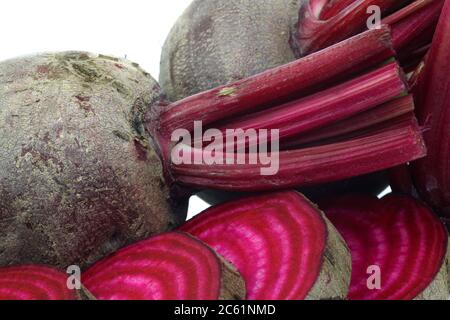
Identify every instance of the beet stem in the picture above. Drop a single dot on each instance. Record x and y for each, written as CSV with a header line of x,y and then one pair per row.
x,y
378,115
390,147
432,173
299,77
416,20
334,104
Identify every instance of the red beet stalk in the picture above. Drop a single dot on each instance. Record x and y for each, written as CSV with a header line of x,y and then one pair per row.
x,y
413,21
300,77
276,241
342,20
328,106
398,247
171,266
406,11
323,23
309,166
321,105
401,181
381,114
432,174
35,283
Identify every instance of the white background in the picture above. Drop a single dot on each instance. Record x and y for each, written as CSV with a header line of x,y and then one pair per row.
x,y
136,29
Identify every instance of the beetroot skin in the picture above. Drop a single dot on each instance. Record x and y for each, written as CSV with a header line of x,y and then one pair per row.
x,y
216,41
172,266
282,245
399,235
37,283
79,176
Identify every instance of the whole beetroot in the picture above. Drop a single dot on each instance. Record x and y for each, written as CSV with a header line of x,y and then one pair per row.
x,y
216,41
79,177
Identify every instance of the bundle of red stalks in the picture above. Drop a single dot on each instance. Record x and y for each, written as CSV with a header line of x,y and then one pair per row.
x,y
356,101
342,110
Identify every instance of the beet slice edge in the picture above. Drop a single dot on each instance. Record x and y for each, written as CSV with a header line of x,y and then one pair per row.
x,y
281,244
399,235
36,282
171,266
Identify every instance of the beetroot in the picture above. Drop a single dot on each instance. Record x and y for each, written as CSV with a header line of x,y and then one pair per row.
x,y
37,283
323,23
398,236
293,101
216,41
433,99
171,266
282,245
428,178
79,176
320,24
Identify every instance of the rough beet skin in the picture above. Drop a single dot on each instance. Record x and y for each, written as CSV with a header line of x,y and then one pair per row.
x,y
216,41
79,176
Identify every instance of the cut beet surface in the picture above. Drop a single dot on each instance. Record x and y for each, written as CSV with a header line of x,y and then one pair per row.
x,y
398,235
36,283
281,244
172,266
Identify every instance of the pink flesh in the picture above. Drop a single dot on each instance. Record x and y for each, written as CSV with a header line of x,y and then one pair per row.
x,y
276,241
327,163
34,283
398,234
172,266
331,105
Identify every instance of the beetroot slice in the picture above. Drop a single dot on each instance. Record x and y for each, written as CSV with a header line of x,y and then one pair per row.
x,y
400,236
172,266
281,244
36,283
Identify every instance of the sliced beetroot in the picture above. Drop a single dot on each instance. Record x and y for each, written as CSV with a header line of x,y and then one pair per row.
x,y
37,283
398,235
281,244
172,266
